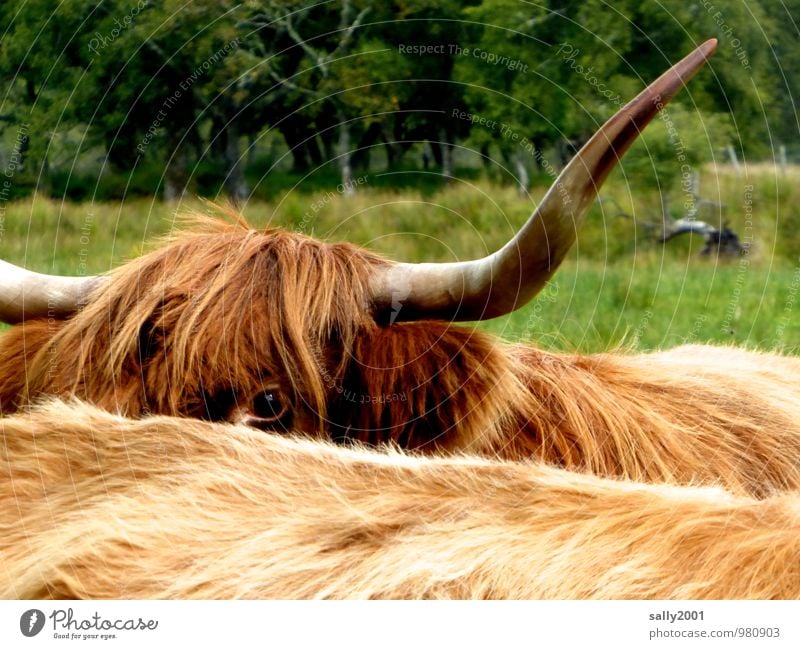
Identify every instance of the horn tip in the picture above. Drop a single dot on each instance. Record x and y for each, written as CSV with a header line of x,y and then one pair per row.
x,y
709,47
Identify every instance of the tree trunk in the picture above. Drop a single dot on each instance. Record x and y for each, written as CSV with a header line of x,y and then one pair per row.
x,y
565,150
298,151
436,151
486,159
326,137
666,219
251,149
360,158
521,171
174,185
388,147
176,177
537,157
366,144
400,149
235,184
312,146
44,180
45,186
734,158
447,154
345,166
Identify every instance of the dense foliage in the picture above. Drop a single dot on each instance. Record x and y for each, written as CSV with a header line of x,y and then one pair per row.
x,y
129,97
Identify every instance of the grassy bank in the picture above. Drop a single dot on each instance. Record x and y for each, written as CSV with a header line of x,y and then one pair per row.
x,y
618,287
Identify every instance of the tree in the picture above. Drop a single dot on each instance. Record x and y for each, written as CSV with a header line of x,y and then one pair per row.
x,y
340,68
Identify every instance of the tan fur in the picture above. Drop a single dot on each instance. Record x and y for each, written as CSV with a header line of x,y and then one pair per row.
x,y
199,327
95,505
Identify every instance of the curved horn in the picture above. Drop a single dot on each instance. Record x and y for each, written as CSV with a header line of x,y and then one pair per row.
x,y
25,294
512,276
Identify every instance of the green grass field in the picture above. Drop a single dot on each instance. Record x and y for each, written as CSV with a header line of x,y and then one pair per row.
x,y
619,287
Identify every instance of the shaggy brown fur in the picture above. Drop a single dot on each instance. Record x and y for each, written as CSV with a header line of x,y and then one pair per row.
x,y
95,505
203,326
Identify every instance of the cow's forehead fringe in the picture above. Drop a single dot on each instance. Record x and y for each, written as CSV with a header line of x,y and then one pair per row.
x,y
225,300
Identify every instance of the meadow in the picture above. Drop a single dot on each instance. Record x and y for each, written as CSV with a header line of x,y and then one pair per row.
x,y
619,288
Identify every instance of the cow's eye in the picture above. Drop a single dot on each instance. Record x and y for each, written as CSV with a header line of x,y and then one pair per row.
x,y
269,405
269,410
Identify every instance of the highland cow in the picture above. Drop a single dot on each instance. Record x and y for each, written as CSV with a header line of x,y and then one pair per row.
x,y
93,505
282,332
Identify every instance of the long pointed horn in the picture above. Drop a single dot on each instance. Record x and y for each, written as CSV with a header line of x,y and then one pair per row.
x,y
25,294
512,276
